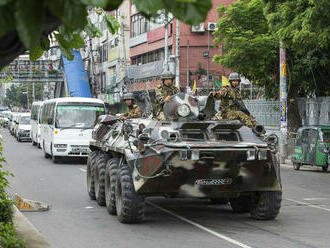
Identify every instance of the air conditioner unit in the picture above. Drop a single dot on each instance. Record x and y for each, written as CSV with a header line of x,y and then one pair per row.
x,y
198,28
211,26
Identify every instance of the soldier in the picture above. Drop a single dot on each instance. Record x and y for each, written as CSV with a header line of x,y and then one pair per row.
x,y
232,107
133,110
163,93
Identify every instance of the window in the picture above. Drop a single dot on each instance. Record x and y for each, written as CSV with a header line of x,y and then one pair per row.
x,y
139,25
149,57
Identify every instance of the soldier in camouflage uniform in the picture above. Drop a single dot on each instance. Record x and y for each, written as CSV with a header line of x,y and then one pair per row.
x,y
163,93
229,109
133,110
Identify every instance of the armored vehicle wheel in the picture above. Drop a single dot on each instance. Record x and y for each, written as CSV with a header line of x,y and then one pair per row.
x,y
325,168
99,178
110,185
242,204
129,205
90,178
266,205
296,166
219,201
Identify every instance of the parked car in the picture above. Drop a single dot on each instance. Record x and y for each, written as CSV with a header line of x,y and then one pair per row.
x,y
5,118
312,147
23,127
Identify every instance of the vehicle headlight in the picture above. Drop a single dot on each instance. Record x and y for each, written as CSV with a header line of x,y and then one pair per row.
x,y
183,110
251,155
60,145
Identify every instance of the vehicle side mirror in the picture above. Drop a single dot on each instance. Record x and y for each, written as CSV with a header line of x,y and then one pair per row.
x,y
49,121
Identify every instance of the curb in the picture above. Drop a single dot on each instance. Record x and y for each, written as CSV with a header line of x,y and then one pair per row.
x,y
28,232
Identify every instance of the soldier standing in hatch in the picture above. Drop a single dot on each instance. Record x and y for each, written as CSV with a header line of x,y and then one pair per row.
x,y
232,107
133,110
163,93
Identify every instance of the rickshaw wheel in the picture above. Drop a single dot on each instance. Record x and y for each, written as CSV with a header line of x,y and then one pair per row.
x,y
296,166
325,168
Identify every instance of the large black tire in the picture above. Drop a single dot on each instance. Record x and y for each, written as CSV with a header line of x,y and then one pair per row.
x,y
129,205
242,204
110,185
296,166
90,174
266,205
325,168
99,178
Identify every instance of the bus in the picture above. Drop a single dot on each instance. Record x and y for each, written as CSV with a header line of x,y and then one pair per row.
x,y
66,126
35,125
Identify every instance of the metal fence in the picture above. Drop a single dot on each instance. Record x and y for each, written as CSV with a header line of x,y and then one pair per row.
x,y
267,113
314,111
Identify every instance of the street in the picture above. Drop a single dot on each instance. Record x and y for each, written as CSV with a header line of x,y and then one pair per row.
x,y
76,221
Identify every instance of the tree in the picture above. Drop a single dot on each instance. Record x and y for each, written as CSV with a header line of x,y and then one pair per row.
x,y
250,31
26,25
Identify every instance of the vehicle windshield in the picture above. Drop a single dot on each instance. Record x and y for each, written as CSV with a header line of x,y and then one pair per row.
x,y
84,117
325,135
24,120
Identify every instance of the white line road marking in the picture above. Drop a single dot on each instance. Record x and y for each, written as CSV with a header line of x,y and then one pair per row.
x,y
307,204
316,199
218,235
89,207
83,170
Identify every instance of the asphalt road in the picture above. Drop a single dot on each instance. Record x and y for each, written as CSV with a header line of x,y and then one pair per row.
x,y
76,221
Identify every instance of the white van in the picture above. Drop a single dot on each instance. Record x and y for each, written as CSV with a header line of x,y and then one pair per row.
x,y
35,124
23,127
66,126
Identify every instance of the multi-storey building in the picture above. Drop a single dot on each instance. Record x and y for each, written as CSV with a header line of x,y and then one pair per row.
x,y
147,46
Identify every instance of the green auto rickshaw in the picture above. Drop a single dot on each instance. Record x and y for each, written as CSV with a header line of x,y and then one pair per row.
x,y
312,147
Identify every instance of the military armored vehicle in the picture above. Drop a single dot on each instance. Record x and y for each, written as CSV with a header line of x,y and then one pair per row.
x,y
189,155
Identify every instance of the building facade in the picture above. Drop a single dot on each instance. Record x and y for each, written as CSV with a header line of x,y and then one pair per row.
x,y
147,51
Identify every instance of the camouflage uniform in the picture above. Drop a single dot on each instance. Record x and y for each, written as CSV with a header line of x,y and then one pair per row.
x,y
162,92
133,111
230,111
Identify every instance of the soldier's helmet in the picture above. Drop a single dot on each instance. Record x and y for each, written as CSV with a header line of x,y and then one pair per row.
x,y
167,75
128,96
234,77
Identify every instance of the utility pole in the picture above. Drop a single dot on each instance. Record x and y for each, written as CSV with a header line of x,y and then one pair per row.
x,y
208,61
166,41
188,63
283,102
177,54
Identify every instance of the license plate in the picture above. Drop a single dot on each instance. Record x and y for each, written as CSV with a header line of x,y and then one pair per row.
x,y
217,181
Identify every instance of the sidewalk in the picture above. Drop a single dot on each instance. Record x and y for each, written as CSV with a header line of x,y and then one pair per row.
x,y
26,231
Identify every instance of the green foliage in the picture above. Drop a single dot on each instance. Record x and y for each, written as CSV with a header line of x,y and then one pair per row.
x,y
29,18
250,31
249,47
8,237
191,12
15,96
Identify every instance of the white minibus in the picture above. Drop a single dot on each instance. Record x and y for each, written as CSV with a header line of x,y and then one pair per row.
x,y
67,124
35,125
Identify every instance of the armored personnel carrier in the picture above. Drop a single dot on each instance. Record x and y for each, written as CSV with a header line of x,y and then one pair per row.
x,y
189,155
